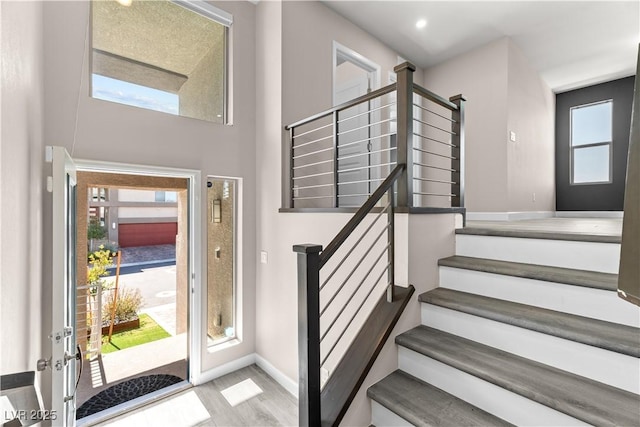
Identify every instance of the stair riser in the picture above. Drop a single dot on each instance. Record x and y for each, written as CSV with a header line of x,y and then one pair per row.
x,y
605,366
591,256
579,300
381,416
489,397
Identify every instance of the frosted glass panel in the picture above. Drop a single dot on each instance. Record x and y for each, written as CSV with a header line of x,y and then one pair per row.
x,y
591,164
591,124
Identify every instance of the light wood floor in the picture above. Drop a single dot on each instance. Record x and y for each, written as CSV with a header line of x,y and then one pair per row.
x,y
273,407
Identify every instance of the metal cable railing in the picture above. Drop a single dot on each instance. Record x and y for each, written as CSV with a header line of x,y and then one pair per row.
x,y
355,282
338,156
408,140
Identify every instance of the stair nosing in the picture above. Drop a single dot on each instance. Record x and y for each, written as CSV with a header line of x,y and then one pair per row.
x,y
615,337
541,383
544,235
568,276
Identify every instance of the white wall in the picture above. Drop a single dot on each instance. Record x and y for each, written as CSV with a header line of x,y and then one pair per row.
x,y
21,188
503,94
100,130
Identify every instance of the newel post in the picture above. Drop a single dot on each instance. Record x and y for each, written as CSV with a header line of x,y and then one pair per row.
x,y
404,88
457,152
308,333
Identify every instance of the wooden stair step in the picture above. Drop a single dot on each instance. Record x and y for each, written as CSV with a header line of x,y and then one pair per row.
x,y
425,405
587,400
598,333
569,276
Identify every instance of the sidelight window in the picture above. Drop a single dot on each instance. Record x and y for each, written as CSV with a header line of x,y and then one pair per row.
x,y
591,143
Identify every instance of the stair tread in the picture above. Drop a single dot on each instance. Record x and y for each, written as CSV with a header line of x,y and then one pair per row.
x,y
598,333
422,404
582,398
536,234
569,276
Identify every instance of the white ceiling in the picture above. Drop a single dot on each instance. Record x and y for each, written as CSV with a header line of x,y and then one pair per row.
x,y
570,43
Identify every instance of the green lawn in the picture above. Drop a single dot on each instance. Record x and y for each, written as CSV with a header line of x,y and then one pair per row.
x,y
148,331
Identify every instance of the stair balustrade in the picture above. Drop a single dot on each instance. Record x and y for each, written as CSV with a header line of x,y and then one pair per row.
x,y
408,140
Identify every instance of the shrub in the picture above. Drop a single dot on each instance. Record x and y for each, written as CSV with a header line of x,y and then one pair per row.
x,y
95,230
128,304
99,260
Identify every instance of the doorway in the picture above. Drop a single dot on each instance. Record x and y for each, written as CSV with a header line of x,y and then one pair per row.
x,y
354,76
142,224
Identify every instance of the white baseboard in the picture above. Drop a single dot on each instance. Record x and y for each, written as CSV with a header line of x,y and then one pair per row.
x,y
589,214
508,216
290,385
225,369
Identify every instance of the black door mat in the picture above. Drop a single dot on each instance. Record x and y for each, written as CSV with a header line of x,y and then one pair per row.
x,y
124,392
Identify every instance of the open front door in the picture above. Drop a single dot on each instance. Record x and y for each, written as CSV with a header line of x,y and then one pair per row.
x,y
63,335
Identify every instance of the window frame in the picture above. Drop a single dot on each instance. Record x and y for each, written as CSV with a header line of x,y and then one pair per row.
x,y
573,148
208,11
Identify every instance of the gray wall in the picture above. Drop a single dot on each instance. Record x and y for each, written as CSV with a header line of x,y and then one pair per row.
x,y
99,130
503,94
594,197
22,320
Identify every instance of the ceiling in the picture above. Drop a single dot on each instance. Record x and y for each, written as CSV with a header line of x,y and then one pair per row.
x,y
570,43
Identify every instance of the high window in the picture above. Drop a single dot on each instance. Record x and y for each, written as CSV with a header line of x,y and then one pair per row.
x,y
591,143
168,56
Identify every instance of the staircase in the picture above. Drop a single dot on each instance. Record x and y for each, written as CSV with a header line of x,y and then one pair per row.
x,y
525,329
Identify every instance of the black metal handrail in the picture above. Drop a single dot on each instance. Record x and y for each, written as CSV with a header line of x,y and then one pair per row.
x,y
359,100
311,259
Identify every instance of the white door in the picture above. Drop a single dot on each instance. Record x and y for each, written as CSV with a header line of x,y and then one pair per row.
x,y
63,335
354,143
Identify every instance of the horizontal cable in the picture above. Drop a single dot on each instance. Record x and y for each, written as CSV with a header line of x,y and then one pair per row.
x,y
354,195
344,258
435,154
364,127
312,197
386,247
361,181
434,126
368,153
354,315
434,180
311,142
366,112
434,140
312,186
365,139
434,194
312,175
433,112
434,167
312,153
366,167
353,270
313,164
312,130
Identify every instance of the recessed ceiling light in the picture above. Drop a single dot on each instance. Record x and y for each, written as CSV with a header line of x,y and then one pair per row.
x,y
421,23
125,2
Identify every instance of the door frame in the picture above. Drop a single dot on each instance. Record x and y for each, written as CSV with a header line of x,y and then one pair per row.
x,y
194,263
339,50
